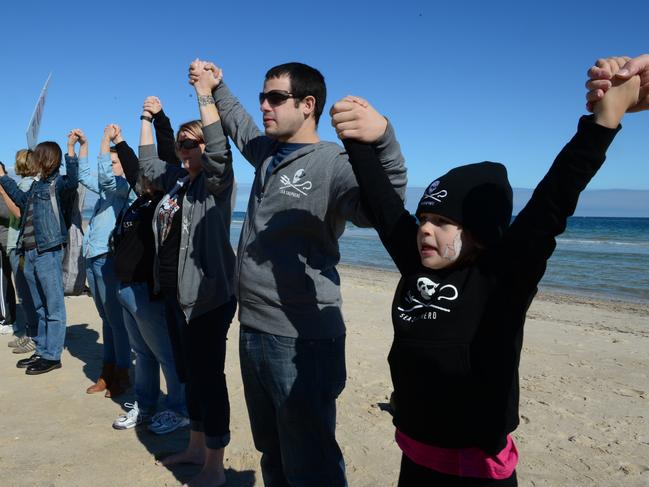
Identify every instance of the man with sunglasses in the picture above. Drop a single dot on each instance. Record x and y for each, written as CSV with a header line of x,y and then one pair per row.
x,y
292,339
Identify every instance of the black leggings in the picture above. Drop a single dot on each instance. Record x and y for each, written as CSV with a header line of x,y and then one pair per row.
x,y
199,351
413,475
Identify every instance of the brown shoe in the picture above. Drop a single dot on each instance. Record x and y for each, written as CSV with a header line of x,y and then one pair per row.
x,y
120,383
104,381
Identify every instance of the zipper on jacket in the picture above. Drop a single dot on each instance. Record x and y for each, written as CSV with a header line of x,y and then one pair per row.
x,y
252,216
251,224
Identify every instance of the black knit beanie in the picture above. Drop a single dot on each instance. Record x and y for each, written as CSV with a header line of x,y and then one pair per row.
x,y
476,196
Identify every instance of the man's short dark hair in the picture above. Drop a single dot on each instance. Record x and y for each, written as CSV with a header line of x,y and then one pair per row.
x,y
305,81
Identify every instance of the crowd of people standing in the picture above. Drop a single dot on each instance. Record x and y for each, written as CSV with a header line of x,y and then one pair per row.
x,y
166,282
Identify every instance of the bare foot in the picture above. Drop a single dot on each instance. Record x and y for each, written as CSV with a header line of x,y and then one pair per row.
x,y
207,478
195,457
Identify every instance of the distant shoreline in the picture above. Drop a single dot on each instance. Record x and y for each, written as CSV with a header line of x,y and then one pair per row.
x,y
598,203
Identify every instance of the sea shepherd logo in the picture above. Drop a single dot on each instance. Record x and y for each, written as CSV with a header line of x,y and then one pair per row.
x,y
295,188
428,301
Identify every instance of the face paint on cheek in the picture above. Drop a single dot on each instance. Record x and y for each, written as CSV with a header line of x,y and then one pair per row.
x,y
452,251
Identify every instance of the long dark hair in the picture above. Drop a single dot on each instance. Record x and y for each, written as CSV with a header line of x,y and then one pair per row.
x,y
47,158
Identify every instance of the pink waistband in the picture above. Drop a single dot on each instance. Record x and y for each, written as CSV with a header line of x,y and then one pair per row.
x,y
463,462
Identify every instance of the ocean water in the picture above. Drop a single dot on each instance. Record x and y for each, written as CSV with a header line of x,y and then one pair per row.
x,y
598,257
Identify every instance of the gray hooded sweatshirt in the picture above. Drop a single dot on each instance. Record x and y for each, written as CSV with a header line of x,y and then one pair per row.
x,y
286,279
206,259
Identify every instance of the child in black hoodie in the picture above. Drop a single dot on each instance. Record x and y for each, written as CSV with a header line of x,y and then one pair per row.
x,y
467,280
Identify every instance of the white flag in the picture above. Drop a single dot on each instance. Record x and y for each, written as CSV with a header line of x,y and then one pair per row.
x,y
35,123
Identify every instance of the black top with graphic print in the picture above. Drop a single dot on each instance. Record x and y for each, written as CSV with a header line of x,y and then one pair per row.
x,y
169,223
458,332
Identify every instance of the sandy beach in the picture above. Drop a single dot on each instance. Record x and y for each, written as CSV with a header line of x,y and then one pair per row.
x,y
584,402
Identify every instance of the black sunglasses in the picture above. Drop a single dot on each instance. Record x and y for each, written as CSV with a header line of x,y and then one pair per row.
x,y
187,144
275,97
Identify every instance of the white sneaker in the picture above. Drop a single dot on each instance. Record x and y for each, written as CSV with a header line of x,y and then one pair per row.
x,y
167,421
131,419
6,330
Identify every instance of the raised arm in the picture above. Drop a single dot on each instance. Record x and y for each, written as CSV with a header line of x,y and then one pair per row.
x,y
237,122
70,180
108,182
77,136
127,157
354,118
164,133
217,157
380,201
162,176
531,237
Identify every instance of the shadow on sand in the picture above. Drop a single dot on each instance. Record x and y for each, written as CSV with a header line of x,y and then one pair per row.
x,y
161,446
83,344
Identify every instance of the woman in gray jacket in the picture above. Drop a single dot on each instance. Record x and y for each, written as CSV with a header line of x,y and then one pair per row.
x,y
194,270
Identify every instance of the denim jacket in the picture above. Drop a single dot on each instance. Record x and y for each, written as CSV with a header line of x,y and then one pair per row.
x,y
49,232
115,195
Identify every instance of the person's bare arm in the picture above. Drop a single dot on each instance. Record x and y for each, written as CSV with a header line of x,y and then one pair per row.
x,y
13,209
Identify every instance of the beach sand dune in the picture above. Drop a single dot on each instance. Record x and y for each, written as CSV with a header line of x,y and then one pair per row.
x,y
584,402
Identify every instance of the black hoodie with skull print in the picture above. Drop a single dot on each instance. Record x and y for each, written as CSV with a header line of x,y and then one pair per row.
x,y
458,331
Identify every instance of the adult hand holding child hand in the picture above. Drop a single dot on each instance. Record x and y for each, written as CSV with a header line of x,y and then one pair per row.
x,y
354,118
623,95
607,70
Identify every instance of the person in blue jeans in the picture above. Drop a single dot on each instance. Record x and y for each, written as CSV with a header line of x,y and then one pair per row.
x,y
144,310
41,238
115,196
25,328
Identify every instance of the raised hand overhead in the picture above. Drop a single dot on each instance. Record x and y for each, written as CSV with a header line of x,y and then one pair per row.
x,y
601,76
354,118
152,105
77,136
197,70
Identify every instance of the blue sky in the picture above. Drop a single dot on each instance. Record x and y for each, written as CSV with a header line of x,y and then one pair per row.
x,y
461,82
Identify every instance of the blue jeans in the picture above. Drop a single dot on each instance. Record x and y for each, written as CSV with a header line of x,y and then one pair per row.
x,y
291,386
44,276
148,332
100,272
30,325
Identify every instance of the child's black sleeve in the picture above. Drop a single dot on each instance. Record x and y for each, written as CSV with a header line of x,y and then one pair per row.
x,y
164,136
395,226
531,239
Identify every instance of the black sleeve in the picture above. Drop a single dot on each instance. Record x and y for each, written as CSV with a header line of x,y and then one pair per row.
x,y
531,239
164,135
396,227
129,161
